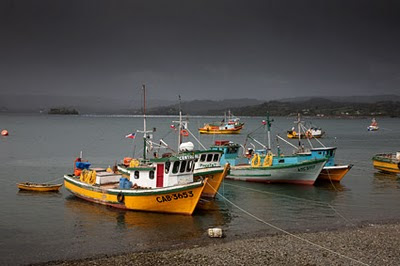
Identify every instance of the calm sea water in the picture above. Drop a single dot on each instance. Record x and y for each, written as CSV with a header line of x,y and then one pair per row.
x,y
39,227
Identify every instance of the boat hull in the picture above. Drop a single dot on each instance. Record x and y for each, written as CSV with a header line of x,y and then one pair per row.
x,y
372,128
334,173
39,187
180,199
386,163
304,173
303,136
220,131
214,179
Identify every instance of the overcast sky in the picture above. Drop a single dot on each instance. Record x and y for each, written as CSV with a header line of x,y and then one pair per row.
x,y
201,49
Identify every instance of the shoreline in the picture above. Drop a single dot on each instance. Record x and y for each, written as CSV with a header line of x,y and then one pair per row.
x,y
367,244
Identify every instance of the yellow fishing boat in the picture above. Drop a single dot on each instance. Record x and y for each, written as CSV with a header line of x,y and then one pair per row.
x,y
160,185
178,199
229,125
389,162
208,166
39,187
334,173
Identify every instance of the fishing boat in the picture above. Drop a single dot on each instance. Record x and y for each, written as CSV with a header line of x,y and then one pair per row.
x,y
305,172
303,132
230,153
229,125
164,185
373,126
208,166
312,132
330,172
387,162
44,187
207,162
267,170
159,185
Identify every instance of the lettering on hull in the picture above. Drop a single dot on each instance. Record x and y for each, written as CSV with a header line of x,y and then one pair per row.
x,y
175,196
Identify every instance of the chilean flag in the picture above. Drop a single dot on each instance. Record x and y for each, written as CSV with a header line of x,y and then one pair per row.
x,y
131,136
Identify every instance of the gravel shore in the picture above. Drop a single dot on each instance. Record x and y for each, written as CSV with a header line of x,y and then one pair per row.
x,y
372,244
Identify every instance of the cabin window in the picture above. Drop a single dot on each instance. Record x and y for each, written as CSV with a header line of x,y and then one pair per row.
x,y
202,158
136,174
216,157
281,161
189,166
233,150
175,168
183,167
167,166
151,175
209,157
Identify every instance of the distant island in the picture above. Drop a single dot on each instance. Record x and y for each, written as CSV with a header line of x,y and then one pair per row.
x,y
63,111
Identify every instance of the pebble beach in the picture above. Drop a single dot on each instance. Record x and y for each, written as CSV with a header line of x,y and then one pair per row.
x,y
369,244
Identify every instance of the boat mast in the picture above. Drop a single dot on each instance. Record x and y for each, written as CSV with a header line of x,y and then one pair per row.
x,y
144,122
298,128
180,124
269,131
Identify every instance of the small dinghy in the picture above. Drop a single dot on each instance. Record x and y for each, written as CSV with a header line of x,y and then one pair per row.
x,y
39,187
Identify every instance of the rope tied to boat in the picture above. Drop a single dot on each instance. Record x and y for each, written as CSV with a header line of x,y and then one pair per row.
x,y
290,234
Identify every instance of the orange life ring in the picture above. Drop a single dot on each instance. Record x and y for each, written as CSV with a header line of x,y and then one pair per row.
x,y
184,133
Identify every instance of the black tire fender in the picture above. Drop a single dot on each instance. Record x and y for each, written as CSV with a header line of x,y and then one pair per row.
x,y
120,197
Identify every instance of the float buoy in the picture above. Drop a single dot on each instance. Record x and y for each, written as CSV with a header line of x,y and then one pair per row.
x,y
4,132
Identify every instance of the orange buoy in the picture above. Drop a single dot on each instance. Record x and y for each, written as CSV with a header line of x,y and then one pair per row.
x,y
4,132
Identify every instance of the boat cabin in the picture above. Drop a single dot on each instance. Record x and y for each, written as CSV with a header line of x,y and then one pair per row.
x,y
164,172
207,159
324,152
230,152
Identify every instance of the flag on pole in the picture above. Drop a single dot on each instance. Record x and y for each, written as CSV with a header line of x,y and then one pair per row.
x,y
131,136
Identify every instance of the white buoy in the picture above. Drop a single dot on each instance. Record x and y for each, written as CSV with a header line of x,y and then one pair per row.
x,y
215,232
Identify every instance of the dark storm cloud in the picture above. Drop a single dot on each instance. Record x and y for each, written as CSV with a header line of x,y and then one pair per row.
x,y
200,49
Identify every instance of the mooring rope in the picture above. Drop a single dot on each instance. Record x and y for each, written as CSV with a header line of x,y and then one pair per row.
x,y
297,198
290,234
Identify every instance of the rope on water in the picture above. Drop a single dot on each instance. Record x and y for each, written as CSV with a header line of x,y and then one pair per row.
x,y
290,234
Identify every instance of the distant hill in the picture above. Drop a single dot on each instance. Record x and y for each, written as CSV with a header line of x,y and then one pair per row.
x,y
349,99
203,107
307,106
387,105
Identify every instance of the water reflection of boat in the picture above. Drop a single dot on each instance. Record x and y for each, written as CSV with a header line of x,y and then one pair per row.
x,y
143,220
386,180
387,162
